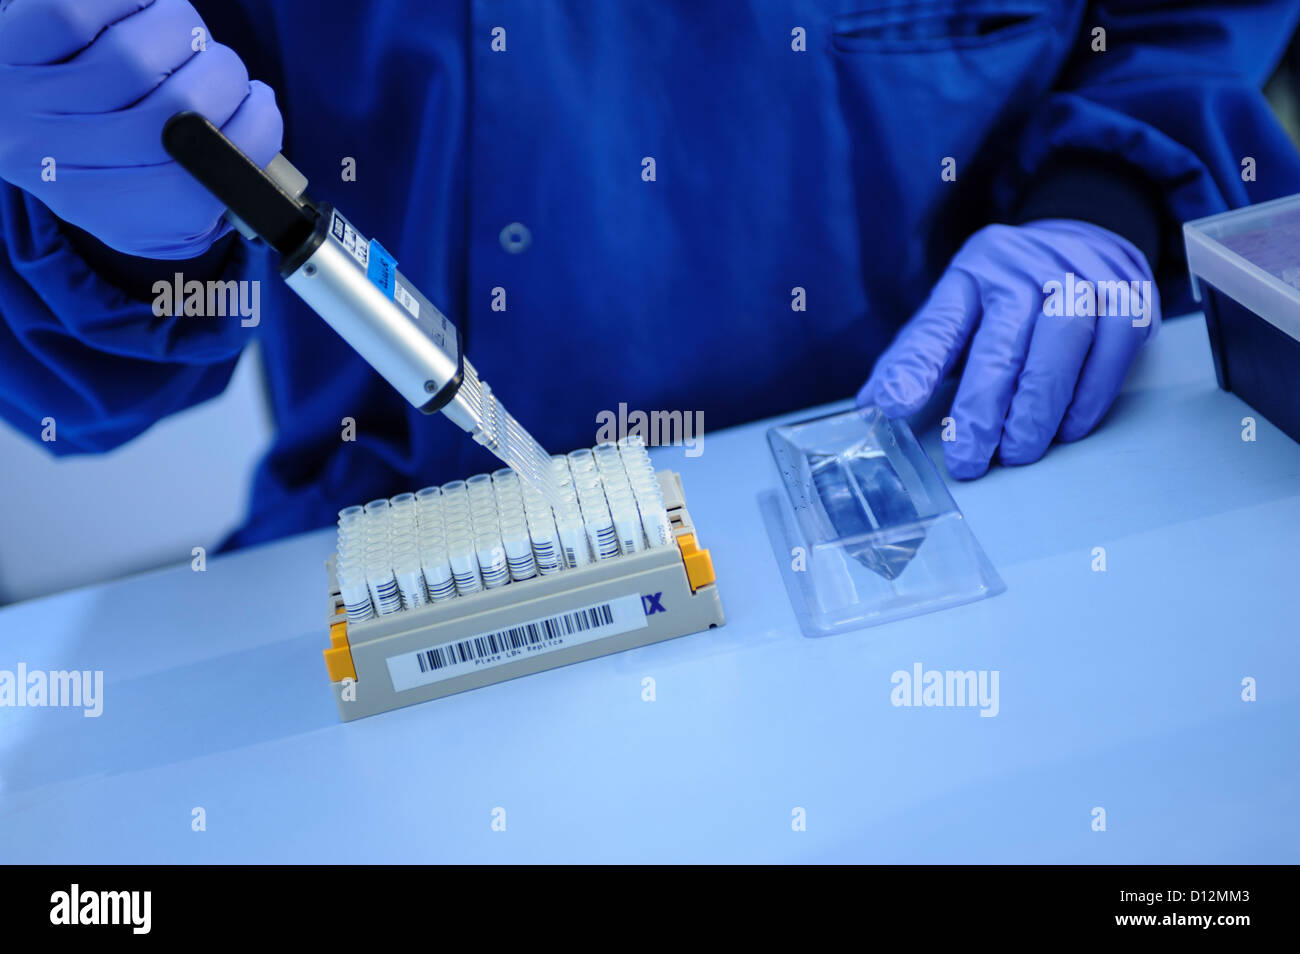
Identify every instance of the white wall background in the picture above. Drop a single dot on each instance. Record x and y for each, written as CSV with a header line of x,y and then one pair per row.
x,y
68,521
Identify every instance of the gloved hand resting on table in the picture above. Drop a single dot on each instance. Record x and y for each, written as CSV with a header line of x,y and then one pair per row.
x,y
85,88
1037,368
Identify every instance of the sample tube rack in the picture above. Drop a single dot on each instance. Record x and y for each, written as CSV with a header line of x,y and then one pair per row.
x,y
606,606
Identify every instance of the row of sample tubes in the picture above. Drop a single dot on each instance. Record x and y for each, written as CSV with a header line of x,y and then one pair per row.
x,y
493,529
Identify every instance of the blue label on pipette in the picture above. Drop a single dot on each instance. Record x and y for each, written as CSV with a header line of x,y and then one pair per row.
x,y
382,268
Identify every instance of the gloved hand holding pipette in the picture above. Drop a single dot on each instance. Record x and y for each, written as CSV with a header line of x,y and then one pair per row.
x,y
94,83
85,87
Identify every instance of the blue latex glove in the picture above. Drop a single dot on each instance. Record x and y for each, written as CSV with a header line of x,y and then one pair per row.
x,y
89,84
1033,373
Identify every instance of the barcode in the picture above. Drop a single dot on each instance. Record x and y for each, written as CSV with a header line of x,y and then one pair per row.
x,y
497,647
548,560
516,637
606,543
387,597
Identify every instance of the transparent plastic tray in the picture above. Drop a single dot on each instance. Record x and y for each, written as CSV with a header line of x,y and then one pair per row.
x,y
866,531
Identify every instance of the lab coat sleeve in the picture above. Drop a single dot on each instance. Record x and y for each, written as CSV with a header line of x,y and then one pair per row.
x,y
1171,113
81,352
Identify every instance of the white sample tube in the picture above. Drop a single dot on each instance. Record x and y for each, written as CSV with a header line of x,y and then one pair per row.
x,y
356,596
351,533
506,481
436,569
582,463
627,519
598,522
654,518
546,544
636,461
405,558
509,501
649,495
561,475
479,490
434,565
383,589
410,580
519,549
608,461
463,561
492,560
573,538
455,499
540,520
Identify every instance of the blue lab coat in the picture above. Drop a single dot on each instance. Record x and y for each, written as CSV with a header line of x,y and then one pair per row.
x,y
796,144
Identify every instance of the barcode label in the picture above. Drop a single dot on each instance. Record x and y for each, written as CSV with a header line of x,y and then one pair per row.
x,y
495,648
350,239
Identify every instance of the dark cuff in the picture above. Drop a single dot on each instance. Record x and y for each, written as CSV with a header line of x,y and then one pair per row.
x,y
1096,188
136,276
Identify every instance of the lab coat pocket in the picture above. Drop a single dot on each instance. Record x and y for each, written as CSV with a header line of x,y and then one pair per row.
x,y
922,27
931,95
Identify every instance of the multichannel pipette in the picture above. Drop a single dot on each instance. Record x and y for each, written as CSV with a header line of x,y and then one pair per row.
x,y
354,285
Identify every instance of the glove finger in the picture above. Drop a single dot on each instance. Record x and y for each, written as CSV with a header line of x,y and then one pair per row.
x,y
257,126
1046,386
1117,342
214,83
126,63
997,356
926,348
34,32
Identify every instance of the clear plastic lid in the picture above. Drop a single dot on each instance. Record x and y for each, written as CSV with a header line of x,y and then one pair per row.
x,y
1253,255
866,531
